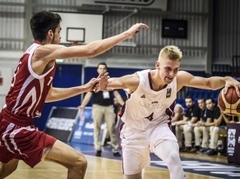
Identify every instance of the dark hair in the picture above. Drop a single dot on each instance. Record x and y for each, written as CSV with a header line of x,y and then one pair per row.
x,y
42,22
201,98
102,63
211,100
189,97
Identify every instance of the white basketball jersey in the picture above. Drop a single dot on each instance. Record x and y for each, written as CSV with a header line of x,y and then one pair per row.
x,y
145,107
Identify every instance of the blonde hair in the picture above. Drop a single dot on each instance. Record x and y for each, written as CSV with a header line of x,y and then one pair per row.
x,y
172,52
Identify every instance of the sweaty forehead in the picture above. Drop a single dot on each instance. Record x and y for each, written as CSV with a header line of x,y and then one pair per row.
x,y
170,63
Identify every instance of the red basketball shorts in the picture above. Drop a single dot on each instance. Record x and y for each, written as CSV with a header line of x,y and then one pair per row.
x,y
23,143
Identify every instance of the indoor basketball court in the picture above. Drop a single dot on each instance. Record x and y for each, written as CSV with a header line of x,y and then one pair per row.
x,y
196,166
191,25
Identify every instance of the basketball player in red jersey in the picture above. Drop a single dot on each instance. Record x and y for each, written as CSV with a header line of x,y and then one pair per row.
x,y
32,87
148,110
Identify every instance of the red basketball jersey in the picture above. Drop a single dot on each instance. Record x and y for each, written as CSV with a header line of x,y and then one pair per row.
x,y
28,90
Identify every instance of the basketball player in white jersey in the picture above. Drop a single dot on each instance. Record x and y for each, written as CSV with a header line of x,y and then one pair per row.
x,y
32,87
148,111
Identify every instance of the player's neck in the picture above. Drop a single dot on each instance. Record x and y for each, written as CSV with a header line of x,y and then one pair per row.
x,y
156,83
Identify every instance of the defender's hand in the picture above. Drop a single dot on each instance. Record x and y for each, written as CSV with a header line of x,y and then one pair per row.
x,y
135,29
102,82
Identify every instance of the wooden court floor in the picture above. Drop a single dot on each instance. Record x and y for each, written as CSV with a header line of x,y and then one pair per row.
x,y
101,168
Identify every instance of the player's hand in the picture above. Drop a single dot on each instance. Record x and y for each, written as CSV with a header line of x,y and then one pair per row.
x,y
92,84
232,83
102,81
135,29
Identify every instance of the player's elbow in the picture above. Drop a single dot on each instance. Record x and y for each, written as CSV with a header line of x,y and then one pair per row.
x,y
50,97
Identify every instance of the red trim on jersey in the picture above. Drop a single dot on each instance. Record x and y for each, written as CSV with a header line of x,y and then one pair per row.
x,y
150,80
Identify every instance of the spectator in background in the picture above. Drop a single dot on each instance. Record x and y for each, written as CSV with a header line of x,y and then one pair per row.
x,y
177,116
200,130
117,106
217,126
185,126
103,108
212,112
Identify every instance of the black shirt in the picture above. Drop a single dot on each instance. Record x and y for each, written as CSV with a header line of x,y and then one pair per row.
x,y
214,114
193,111
203,115
103,98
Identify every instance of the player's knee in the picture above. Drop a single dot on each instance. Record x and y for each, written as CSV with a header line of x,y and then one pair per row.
x,y
172,157
6,171
80,165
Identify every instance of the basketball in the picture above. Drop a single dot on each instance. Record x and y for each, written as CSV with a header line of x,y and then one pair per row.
x,y
229,103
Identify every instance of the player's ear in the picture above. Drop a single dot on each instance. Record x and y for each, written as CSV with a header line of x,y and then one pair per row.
x,y
157,64
50,34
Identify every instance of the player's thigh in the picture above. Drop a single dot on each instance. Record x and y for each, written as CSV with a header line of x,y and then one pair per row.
x,y
65,155
135,159
135,150
7,168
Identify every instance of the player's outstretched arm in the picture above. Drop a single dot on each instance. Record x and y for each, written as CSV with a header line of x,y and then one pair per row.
x,y
90,50
215,82
57,94
125,82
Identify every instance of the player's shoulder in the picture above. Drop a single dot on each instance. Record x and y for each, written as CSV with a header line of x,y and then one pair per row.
x,y
183,73
51,47
146,71
184,76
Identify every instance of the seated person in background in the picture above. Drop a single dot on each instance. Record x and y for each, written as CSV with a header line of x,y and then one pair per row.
x,y
217,126
177,116
208,120
192,115
200,129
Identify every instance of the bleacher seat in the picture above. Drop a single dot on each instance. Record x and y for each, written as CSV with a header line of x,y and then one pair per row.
x,y
221,69
201,93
